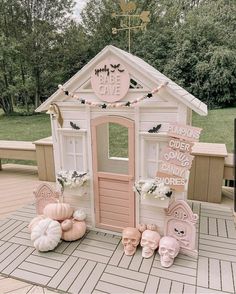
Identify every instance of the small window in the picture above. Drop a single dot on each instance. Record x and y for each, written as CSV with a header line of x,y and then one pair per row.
x,y
118,141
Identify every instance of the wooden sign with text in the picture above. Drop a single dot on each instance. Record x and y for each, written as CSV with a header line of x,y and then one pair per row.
x,y
184,132
172,169
110,80
180,145
176,183
176,157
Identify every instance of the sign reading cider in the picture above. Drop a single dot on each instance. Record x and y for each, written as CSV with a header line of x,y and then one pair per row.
x,y
110,80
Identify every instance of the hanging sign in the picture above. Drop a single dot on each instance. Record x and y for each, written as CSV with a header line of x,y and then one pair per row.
x,y
173,182
180,145
172,169
110,80
176,157
184,132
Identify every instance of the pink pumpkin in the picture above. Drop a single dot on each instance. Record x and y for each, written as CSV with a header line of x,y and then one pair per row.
x,y
58,211
76,232
66,225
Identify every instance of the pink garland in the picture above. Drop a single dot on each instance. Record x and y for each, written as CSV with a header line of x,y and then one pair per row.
x,y
112,105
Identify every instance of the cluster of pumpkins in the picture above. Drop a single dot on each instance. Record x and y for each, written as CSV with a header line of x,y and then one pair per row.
x,y
58,222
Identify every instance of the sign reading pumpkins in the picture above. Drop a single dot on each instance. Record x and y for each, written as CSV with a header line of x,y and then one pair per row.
x,y
110,80
176,158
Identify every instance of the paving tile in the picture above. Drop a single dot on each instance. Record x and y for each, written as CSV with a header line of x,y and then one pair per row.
x,y
212,226
11,231
17,261
164,286
204,225
231,229
42,260
114,289
227,278
181,262
152,285
214,274
136,261
104,238
71,248
214,243
7,252
124,282
92,249
82,277
213,254
126,273
91,256
62,272
72,274
38,269
21,241
217,250
176,268
176,288
93,278
117,255
222,231
218,239
31,277
189,289
146,265
201,290
173,276
51,255
98,244
202,273
125,261
62,247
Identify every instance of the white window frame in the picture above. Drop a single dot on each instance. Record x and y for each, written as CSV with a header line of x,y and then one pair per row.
x,y
154,138
66,132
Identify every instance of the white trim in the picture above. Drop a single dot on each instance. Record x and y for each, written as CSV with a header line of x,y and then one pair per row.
x,y
137,161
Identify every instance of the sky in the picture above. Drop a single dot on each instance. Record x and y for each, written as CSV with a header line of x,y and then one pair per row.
x,y
79,6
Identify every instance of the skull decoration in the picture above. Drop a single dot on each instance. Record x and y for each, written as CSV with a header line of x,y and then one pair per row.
x,y
149,242
130,240
168,250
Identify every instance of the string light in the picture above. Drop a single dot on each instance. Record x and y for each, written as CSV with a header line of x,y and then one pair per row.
x,y
111,105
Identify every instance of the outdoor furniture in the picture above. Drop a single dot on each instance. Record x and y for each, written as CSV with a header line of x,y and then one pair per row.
x,y
45,159
17,150
206,174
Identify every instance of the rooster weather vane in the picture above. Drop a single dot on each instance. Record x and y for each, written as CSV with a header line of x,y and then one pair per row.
x,y
127,8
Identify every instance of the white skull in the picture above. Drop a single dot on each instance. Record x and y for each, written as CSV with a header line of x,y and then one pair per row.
x,y
168,250
130,240
149,242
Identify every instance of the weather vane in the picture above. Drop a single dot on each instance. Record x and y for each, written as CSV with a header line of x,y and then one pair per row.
x,y
126,8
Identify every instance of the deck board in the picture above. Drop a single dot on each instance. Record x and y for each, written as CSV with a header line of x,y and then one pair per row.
x,y
97,264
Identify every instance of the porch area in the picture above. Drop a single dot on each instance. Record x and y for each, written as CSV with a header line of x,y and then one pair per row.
x,y
96,263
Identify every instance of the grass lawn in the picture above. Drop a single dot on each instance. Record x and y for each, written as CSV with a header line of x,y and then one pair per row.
x,y
218,126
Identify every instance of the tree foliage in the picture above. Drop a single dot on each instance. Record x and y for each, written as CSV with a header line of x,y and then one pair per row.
x,y
191,41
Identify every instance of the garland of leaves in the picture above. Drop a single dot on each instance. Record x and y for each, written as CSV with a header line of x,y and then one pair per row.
x,y
111,105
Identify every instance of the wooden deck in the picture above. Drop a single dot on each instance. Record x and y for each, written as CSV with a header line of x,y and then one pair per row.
x,y
75,268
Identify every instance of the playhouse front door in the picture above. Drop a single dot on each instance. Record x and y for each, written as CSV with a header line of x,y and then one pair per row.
x,y
113,172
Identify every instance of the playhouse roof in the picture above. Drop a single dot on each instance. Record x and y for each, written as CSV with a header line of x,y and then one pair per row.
x,y
140,65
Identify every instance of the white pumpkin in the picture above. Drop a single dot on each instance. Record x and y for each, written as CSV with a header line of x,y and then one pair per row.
x,y
58,211
35,221
46,234
79,215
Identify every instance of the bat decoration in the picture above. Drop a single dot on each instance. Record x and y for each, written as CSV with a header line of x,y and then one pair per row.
x,y
155,129
115,65
168,194
74,126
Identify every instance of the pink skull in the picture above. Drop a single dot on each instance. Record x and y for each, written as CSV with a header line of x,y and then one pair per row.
x,y
130,240
149,242
168,250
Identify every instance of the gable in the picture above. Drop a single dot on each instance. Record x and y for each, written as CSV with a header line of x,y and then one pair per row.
x,y
143,79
